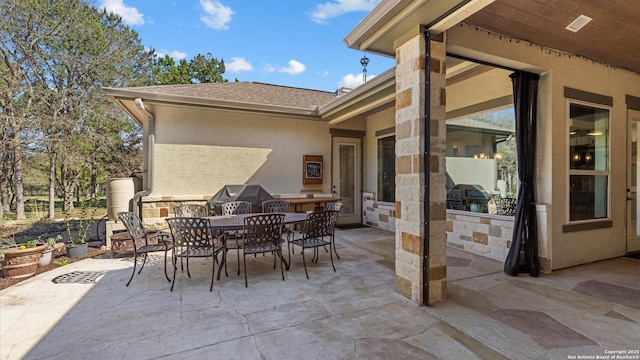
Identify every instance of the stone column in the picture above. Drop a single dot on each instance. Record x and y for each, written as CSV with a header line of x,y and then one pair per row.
x,y
411,60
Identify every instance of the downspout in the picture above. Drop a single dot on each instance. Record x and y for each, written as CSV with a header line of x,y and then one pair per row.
x,y
136,202
426,166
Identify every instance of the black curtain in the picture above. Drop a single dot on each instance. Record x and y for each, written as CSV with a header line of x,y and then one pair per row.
x,y
523,254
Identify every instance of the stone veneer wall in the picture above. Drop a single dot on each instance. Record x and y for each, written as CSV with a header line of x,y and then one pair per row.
x,y
377,214
155,209
491,235
483,234
411,63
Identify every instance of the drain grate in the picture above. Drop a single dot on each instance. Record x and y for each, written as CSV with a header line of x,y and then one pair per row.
x,y
78,277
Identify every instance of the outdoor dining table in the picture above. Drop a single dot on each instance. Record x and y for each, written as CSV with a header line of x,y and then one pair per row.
x,y
236,222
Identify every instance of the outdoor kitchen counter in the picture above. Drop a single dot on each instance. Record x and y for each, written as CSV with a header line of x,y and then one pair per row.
x,y
319,203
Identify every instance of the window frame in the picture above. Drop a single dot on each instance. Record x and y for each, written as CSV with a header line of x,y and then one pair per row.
x,y
577,225
382,135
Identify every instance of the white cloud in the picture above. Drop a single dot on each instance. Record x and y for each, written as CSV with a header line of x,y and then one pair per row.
x,y
216,15
325,11
129,14
268,68
175,54
295,67
353,81
238,64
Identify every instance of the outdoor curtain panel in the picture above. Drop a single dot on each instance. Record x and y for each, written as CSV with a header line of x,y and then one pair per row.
x,y
523,254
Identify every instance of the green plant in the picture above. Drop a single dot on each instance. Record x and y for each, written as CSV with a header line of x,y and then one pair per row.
x,y
79,231
52,241
7,243
61,262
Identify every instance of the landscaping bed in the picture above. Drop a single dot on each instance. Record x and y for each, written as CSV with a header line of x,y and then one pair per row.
x,y
46,229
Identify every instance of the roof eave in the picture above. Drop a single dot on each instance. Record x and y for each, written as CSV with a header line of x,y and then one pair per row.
x,y
116,94
394,20
375,93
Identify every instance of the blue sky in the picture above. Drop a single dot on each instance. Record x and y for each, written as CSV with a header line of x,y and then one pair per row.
x,y
288,42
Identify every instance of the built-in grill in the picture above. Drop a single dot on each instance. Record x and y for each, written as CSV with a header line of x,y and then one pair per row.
x,y
254,194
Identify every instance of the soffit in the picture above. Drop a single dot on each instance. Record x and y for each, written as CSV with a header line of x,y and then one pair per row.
x,y
610,38
394,19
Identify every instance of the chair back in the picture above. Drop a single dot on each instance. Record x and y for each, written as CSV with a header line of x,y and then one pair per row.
x,y
133,224
263,228
191,210
337,206
320,223
236,207
190,232
275,206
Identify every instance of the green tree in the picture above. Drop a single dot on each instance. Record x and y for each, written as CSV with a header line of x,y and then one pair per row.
x,y
200,69
57,55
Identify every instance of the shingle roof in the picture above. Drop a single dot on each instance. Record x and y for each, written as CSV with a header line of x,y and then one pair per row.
x,y
245,92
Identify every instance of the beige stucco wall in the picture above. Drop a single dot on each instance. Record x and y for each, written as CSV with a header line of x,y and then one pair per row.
x,y
492,84
558,71
197,151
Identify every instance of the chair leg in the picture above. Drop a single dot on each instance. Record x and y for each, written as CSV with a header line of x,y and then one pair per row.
x,y
135,260
304,263
238,253
144,261
188,273
213,270
244,260
223,261
331,256
333,241
175,268
165,265
279,254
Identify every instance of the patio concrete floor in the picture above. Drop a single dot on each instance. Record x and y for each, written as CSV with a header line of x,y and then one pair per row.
x,y
352,313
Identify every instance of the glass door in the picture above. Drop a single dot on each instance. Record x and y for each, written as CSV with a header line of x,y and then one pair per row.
x,y
346,178
633,226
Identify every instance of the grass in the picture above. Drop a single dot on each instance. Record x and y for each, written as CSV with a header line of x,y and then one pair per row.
x,y
36,208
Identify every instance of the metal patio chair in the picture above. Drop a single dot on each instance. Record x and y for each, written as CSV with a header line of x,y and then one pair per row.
x,y
262,234
144,242
192,238
233,238
315,233
337,206
275,206
191,210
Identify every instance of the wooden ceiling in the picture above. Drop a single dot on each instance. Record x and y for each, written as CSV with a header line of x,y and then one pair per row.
x,y
612,37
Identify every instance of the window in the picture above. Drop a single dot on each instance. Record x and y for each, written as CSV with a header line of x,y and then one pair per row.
x,y
387,169
588,162
482,162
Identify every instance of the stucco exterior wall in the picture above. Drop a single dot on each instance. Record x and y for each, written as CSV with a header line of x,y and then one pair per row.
x,y
552,174
494,84
196,153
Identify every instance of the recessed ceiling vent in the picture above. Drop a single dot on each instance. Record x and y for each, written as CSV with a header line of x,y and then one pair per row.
x,y
578,23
